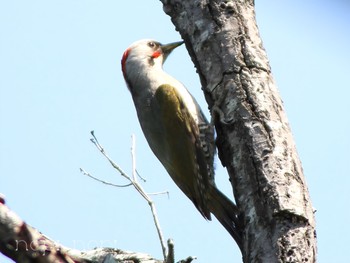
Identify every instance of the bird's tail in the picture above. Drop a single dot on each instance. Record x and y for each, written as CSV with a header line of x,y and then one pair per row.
x,y
226,212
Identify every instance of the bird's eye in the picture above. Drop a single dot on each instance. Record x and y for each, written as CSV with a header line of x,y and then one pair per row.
x,y
151,44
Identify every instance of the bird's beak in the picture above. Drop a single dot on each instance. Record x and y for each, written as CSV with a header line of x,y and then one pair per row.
x,y
168,48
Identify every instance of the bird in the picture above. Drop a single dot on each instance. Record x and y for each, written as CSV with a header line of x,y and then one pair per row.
x,y
176,129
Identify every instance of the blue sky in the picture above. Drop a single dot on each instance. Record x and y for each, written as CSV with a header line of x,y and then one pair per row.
x,y
60,78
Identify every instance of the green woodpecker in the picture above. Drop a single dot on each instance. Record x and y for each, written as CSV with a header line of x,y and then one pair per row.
x,y
176,129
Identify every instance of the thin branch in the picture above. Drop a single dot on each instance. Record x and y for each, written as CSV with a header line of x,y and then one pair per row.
x,y
139,175
101,181
160,193
149,200
159,231
133,182
133,159
100,148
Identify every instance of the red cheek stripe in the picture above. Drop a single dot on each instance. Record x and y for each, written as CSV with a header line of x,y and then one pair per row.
x,y
156,54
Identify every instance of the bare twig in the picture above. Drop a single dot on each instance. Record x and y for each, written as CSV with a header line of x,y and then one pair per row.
x,y
101,181
159,231
171,252
160,193
139,175
133,159
133,182
100,148
148,199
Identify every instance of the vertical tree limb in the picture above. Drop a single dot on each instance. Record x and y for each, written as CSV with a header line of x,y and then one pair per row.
x,y
254,139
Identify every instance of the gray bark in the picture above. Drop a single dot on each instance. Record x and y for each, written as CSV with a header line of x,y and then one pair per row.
x,y
254,139
23,243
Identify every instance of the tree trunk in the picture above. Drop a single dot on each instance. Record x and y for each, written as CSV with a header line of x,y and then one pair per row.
x,y
254,139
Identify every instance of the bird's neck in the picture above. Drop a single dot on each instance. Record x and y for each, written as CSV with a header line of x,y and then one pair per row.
x,y
144,82
145,79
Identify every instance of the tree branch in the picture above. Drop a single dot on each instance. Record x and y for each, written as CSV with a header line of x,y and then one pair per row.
x,y
134,183
23,243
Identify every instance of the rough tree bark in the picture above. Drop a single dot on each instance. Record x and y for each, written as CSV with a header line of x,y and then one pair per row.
x,y
23,243
254,139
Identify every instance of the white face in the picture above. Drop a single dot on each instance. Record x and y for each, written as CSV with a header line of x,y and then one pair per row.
x,y
146,52
140,61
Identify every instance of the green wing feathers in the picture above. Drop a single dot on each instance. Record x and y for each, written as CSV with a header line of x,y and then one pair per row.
x,y
186,160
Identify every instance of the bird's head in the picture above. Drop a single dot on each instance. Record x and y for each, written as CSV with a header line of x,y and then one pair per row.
x,y
144,55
